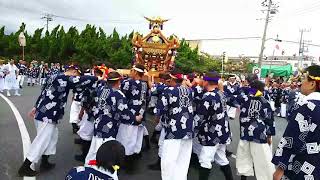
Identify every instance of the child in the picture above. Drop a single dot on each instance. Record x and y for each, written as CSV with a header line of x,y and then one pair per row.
x,y
109,158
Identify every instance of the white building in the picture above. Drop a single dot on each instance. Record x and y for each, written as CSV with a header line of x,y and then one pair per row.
x,y
295,61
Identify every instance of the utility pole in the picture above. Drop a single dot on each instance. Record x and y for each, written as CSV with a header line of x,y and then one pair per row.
x,y
47,17
272,9
302,46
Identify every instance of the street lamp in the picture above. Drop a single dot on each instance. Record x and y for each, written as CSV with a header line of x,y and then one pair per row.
x,y
22,43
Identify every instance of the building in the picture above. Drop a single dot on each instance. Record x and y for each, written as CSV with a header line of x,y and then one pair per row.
x,y
295,61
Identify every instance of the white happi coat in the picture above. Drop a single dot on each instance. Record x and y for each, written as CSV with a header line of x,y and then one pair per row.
x,y
1,77
10,81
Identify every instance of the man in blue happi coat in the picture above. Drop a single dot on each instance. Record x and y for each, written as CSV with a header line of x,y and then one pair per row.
x,y
47,112
176,103
109,111
213,128
298,153
256,128
131,132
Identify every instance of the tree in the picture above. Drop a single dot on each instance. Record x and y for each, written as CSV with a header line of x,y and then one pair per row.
x,y
189,60
90,46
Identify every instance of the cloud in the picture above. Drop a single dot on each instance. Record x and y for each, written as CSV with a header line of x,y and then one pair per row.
x,y
188,19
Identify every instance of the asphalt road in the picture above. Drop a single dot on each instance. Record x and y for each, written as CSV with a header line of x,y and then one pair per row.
x,y
11,153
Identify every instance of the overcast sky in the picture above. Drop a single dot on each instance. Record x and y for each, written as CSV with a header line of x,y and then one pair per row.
x,y
189,19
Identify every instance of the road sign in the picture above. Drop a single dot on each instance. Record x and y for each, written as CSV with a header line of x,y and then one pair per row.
x,y
257,71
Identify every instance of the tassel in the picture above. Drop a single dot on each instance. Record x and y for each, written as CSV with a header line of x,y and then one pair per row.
x,y
258,93
116,167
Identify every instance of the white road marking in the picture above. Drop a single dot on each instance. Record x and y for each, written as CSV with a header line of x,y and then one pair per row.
x,y
23,131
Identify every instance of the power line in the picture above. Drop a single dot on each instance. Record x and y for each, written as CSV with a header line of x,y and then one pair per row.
x,y
33,11
308,11
225,38
312,6
48,18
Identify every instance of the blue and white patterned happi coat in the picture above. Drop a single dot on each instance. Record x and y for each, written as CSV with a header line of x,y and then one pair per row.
x,y
53,98
232,89
33,72
256,118
155,92
86,173
110,109
22,69
298,152
136,92
176,104
293,97
198,92
77,94
88,99
211,118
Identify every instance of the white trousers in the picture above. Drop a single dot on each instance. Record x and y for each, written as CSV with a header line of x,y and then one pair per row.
x,y
45,142
145,131
215,154
95,145
1,84
254,157
74,111
31,80
283,111
86,128
175,159
10,82
272,104
21,79
196,146
160,142
131,138
42,81
231,111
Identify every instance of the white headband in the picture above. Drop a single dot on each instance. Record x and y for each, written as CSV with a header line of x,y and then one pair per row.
x,y
138,69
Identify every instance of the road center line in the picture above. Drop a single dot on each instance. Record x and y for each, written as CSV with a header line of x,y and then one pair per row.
x,y
23,131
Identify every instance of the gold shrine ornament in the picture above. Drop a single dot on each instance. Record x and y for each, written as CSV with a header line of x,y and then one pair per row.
x,y
155,39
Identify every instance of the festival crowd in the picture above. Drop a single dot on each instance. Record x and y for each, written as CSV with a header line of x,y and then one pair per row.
x,y
192,112
13,75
